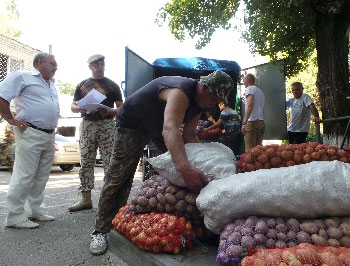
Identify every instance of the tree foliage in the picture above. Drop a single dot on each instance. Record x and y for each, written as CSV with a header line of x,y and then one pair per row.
x,y
290,30
65,88
283,29
8,19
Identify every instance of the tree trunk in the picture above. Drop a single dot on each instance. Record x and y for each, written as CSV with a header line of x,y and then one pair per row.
x,y
332,44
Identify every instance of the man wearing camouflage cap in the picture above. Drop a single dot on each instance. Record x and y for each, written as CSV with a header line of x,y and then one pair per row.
x,y
156,112
97,127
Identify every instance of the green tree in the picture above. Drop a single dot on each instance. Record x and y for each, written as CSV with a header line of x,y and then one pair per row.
x,y
65,87
8,19
283,29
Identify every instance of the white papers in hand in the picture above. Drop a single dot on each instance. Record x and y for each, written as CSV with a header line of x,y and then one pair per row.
x,y
92,107
93,96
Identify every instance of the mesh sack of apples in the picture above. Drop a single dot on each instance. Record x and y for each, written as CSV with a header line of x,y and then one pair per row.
x,y
302,254
247,235
155,232
158,195
275,156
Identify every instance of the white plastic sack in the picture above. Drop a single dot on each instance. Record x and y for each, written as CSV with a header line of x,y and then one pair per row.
x,y
214,159
316,189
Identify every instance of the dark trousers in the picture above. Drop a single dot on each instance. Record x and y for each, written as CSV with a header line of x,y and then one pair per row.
x,y
297,137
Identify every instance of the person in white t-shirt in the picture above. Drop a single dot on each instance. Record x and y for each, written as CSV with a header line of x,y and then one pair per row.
x,y
301,106
253,124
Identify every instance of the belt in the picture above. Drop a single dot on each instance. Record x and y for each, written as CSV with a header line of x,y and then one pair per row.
x,y
48,131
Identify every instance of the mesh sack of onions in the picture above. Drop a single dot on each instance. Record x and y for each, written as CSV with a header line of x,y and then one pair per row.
x,y
302,254
155,232
275,156
255,233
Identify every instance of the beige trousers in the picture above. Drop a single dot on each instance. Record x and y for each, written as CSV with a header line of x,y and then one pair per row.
x,y
32,167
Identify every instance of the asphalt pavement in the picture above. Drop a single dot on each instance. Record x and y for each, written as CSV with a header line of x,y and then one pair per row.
x,y
63,242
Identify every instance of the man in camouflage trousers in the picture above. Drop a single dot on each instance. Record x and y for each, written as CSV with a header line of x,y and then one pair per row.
x,y
6,141
156,112
97,127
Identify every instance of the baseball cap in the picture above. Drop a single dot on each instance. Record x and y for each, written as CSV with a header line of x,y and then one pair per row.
x,y
95,57
220,84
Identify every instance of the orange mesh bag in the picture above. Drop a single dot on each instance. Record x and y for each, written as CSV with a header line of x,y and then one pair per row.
x,y
301,255
155,232
275,156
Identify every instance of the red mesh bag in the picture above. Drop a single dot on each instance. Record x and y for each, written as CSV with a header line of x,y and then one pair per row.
x,y
302,254
275,156
155,232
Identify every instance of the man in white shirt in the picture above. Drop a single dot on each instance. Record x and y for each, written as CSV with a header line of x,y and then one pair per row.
x,y
301,107
253,125
37,113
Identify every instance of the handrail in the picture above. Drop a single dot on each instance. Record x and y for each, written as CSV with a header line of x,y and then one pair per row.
x,y
318,132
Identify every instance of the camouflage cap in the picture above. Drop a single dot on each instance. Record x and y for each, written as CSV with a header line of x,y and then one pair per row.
x,y
220,84
95,57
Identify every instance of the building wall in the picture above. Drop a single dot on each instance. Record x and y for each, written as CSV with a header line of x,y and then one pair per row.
x,y
14,56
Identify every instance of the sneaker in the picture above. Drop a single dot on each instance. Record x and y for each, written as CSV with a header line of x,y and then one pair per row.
x,y
98,245
42,218
27,224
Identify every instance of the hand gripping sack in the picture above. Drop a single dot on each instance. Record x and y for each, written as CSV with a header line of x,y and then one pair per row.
x,y
214,159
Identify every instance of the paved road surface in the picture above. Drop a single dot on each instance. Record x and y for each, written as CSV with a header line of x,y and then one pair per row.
x,y
63,242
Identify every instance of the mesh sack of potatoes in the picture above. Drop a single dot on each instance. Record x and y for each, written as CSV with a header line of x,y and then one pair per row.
x,y
254,232
158,195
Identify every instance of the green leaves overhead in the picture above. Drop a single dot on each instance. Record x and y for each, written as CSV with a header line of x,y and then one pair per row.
x,y
191,18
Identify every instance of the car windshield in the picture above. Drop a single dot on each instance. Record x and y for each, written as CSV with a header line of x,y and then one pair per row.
x,y
61,138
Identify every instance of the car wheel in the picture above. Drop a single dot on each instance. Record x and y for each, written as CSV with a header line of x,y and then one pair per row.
x,y
67,167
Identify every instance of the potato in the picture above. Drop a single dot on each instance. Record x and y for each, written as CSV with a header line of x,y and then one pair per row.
x,y
318,240
291,236
282,237
260,239
190,198
333,242
161,198
271,233
309,227
270,243
170,198
323,233
345,241
320,223
142,201
150,192
303,237
334,232
261,227
152,202
172,189
345,228
234,251
333,221
281,228
293,224
181,206
169,208
180,195
280,244
160,207
247,242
